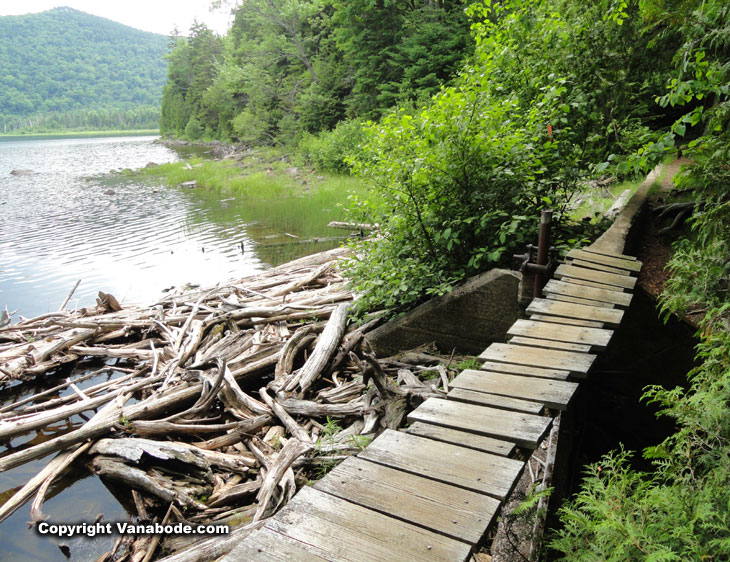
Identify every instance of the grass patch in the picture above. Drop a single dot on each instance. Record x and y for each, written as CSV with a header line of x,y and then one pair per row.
x,y
290,199
471,363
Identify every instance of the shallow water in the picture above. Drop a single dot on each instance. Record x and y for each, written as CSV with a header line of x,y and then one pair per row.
x,y
66,222
73,220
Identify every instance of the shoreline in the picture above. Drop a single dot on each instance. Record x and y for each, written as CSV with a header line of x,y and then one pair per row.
x,y
78,134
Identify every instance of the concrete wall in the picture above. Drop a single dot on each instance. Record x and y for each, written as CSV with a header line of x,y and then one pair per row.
x,y
473,315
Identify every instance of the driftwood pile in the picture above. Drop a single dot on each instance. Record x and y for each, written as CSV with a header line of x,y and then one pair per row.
x,y
223,401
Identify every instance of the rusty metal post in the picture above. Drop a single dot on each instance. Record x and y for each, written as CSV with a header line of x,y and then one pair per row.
x,y
543,250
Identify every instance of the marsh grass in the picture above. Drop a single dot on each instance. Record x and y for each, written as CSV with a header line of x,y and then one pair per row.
x,y
292,200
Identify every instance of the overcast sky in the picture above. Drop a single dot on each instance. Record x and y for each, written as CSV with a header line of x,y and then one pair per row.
x,y
159,16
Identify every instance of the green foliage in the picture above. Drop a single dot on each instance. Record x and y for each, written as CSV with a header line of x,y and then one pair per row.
x,y
193,130
682,511
290,69
192,67
459,185
288,205
66,69
103,119
329,151
360,441
471,363
701,264
399,51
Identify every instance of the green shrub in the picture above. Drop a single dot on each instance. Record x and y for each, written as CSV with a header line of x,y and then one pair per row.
x,y
459,185
330,151
193,129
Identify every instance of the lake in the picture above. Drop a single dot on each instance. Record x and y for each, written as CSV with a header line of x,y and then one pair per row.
x,y
72,219
77,218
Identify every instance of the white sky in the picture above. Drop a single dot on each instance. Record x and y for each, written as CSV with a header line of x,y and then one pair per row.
x,y
158,16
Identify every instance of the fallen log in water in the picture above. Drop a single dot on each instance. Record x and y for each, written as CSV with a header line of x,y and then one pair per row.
x,y
242,392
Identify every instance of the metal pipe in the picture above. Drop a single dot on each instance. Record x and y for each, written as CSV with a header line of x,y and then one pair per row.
x,y
543,249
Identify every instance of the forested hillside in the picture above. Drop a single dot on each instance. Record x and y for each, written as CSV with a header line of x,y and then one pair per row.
x,y
67,69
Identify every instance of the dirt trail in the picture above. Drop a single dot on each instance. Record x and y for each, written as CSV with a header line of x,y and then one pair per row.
x,y
653,249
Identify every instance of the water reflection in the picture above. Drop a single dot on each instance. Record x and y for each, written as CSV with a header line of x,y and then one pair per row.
x,y
66,222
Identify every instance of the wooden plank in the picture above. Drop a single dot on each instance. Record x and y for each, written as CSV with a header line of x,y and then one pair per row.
x,y
495,401
525,370
600,252
609,316
480,472
266,545
455,512
576,363
526,430
578,300
598,267
554,394
620,299
566,321
346,531
611,279
550,344
629,265
462,438
594,337
593,284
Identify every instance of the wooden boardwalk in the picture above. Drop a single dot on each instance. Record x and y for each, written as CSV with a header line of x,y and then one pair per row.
x,y
431,491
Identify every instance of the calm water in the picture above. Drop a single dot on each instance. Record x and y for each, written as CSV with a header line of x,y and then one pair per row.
x,y
72,219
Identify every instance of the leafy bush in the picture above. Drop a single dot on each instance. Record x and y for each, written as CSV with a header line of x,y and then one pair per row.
x,y
193,129
329,151
459,186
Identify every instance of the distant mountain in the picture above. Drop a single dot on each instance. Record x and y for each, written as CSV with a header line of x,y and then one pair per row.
x,y
63,63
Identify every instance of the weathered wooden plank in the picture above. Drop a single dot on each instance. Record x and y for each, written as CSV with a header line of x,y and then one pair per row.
x,y
459,466
554,394
266,545
571,310
495,401
611,279
455,512
621,263
594,337
462,438
526,430
346,531
618,298
593,284
566,321
600,252
526,370
576,363
598,266
578,300
550,344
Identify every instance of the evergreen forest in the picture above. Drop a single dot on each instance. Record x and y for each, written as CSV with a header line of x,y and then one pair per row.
x,y
465,119
65,69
